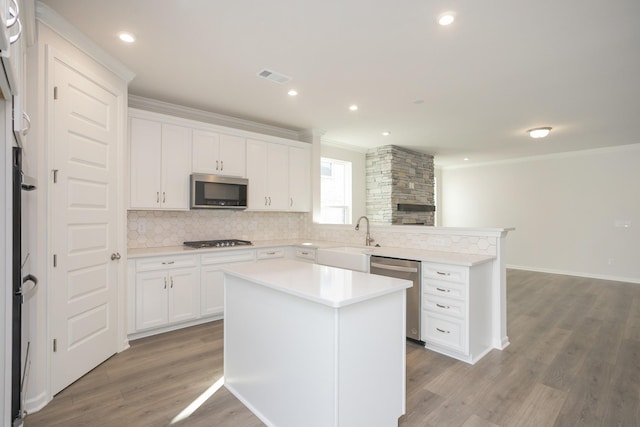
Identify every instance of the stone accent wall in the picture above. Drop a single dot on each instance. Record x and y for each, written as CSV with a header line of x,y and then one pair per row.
x,y
396,175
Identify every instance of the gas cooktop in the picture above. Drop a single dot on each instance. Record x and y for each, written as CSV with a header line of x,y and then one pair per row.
x,y
226,243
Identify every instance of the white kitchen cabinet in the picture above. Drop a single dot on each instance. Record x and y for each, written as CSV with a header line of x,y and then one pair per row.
x,y
212,278
166,291
268,174
300,179
160,165
456,310
218,154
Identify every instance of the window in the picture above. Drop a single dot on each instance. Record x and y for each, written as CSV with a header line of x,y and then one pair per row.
x,y
335,191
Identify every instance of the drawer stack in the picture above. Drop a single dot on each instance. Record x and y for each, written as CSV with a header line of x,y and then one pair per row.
x,y
449,325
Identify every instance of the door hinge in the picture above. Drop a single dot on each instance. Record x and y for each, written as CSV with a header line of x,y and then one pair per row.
x,y
55,92
55,345
55,260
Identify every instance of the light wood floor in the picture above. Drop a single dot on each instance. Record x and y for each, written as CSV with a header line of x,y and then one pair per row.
x,y
574,360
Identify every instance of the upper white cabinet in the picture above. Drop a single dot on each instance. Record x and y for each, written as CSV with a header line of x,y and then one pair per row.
x,y
166,150
299,179
218,154
160,165
268,174
279,176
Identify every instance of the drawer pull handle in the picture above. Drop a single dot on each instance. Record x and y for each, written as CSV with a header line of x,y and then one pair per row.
x,y
271,253
304,253
442,273
443,290
167,262
443,306
165,283
442,331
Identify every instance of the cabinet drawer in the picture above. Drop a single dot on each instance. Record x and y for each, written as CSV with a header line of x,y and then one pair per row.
x,y
227,257
451,273
271,253
441,288
163,263
307,254
446,306
443,330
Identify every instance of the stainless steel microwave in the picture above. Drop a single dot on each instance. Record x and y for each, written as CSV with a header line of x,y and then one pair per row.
x,y
218,192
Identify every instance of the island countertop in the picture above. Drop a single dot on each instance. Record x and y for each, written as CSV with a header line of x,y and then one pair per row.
x,y
334,287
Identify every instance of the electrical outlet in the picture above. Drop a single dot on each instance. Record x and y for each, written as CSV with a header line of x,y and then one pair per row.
x,y
142,228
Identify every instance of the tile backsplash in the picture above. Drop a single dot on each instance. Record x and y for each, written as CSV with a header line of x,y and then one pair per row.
x,y
147,229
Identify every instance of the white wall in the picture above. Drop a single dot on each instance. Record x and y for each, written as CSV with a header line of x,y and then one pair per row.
x,y
563,207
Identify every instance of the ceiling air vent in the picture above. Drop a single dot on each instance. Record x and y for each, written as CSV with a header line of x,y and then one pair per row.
x,y
273,76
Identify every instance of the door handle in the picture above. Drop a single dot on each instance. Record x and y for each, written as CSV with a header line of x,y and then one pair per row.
x,y
115,256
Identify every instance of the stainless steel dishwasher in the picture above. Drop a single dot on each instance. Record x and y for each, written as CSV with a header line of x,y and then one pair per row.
x,y
408,270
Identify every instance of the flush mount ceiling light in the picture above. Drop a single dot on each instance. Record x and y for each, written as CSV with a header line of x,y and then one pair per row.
x,y
292,92
446,18
539,132
126,37
353,107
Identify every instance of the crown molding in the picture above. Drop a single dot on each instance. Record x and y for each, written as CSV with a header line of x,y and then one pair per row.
x,y
65,29
167,108
344,146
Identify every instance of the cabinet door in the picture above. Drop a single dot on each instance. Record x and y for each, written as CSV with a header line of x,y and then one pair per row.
x,y
278,176
183,294
176,167
145,154
299,179
205,152
151,299
257,174
211,291
232,156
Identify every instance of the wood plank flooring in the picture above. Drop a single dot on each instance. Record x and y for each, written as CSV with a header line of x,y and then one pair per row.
x,y
574,360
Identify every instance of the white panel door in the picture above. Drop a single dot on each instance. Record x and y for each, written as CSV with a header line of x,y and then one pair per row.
x,y
257,174
278,176
299,179
205,152
83,289
152,292
176,167
145,152
184,295
211,290
233,160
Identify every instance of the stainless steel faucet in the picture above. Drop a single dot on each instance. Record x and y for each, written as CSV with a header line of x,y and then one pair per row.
x,y
367,240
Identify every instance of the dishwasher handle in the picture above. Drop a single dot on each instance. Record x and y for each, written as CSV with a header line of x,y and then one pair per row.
x,y
394,267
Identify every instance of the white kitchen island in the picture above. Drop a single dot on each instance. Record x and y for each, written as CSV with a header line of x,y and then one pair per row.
x,y
311,345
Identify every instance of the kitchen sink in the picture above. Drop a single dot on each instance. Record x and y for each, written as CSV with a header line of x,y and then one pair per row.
x,y
350,257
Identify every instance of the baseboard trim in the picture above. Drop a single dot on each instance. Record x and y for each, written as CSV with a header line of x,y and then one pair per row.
x,y
575,273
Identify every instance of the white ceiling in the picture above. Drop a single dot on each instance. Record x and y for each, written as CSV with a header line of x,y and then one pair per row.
x,y
501,68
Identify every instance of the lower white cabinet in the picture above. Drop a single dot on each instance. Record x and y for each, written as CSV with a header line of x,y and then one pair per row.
x,y
456,310
212,278
166,291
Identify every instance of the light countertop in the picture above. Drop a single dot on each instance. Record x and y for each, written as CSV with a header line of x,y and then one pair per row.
x,y
454,258
334,287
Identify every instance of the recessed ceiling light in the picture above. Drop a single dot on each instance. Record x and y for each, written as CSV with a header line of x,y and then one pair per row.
x,y
386,133
292,92
539,132
127,37
446,18
465,159
353,107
